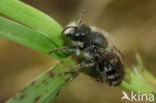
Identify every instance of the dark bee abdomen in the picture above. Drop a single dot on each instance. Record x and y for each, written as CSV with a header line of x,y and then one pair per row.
x,y
112,76
113,73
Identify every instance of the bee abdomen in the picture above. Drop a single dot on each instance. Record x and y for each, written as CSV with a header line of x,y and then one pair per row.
x,y
113,77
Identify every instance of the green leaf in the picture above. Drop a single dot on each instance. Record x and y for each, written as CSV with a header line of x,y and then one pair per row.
x,y
27,37
34,19
46,88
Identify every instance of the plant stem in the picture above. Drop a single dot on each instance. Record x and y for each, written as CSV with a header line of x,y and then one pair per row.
x,y
47,87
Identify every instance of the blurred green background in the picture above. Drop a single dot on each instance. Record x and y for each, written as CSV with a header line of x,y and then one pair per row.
x,y
131,24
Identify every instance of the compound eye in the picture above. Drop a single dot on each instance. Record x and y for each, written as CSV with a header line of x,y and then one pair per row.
x,y
80,36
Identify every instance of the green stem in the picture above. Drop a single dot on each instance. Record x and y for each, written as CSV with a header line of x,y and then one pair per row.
x,y
139,80
46,88
43,89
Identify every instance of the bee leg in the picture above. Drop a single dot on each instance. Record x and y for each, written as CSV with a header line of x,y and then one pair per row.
x,y
103,76
64,48
101,72
86,63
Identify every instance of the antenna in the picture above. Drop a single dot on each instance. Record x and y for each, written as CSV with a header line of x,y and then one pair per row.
x,y
83,11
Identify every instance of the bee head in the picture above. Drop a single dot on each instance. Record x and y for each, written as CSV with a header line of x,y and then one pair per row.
x,y
80,34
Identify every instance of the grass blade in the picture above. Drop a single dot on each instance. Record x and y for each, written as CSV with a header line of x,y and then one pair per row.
x,y
46,88
27,37
34,19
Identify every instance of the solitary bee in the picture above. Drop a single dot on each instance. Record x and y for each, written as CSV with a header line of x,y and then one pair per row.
x,y
97,50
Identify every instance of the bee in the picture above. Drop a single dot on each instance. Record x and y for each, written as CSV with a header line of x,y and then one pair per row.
x,y
98,51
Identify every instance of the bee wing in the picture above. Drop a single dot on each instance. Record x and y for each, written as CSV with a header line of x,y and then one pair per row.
x,y
124,60
114,53
106,54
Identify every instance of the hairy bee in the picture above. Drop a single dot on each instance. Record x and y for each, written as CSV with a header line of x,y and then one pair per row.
x,y
98,51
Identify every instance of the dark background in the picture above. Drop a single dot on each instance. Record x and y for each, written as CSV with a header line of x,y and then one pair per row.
x,y
131,24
